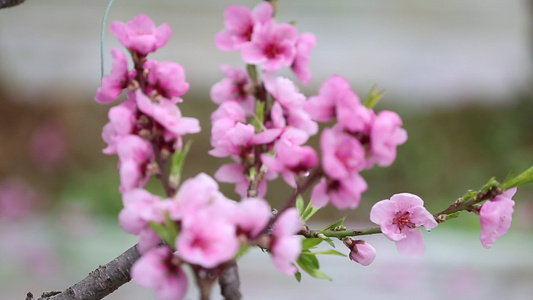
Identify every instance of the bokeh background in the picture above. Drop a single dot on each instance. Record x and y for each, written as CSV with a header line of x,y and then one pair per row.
x,y
458,72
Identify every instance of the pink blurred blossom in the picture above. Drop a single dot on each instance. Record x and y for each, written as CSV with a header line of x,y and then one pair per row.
x,y
344,193
159,269
273,46
286,246
385,136
399,219
252,215
139,209
168,78
239,25
141,35
17,198
233,88
495,217
207,238
113,84
300,65
194,195
49,145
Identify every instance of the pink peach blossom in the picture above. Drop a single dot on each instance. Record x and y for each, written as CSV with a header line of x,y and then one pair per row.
x,y
288,108
113,84
286,246
134,154
385,136
233,88
141,35
399,219
361,251
273,46
495,217
159,269
168,78
207,238
300,65
252,215
235,173
240,23
122,119
194,195
342,154
291,160
168,115
344,193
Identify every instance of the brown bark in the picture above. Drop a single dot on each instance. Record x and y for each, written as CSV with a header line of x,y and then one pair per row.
x,y
100,282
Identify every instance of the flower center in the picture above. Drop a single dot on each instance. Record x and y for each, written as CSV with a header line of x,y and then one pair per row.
x,y
271,51
403,219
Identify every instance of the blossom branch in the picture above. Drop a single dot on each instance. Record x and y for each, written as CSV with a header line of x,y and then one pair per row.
x,y
100,282
465,203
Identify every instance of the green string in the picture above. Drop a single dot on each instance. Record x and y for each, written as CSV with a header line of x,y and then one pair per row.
x,y
102,34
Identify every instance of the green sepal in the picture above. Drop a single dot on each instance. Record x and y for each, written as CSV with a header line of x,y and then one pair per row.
x,y
310,243
524,178
298,276
373,97
334,224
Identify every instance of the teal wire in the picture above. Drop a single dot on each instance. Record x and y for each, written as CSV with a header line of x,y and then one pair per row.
x,y
102,34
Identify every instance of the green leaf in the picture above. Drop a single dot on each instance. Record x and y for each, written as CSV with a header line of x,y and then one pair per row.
x,y
524,178
298,276
330,252
252,72
172,228
330,242
309,211
309,259
373,97
300,204
311,243
334,224
453,215
309,264
162,231
259,117
178,160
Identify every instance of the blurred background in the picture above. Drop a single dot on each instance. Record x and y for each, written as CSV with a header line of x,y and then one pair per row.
x,y
458,72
